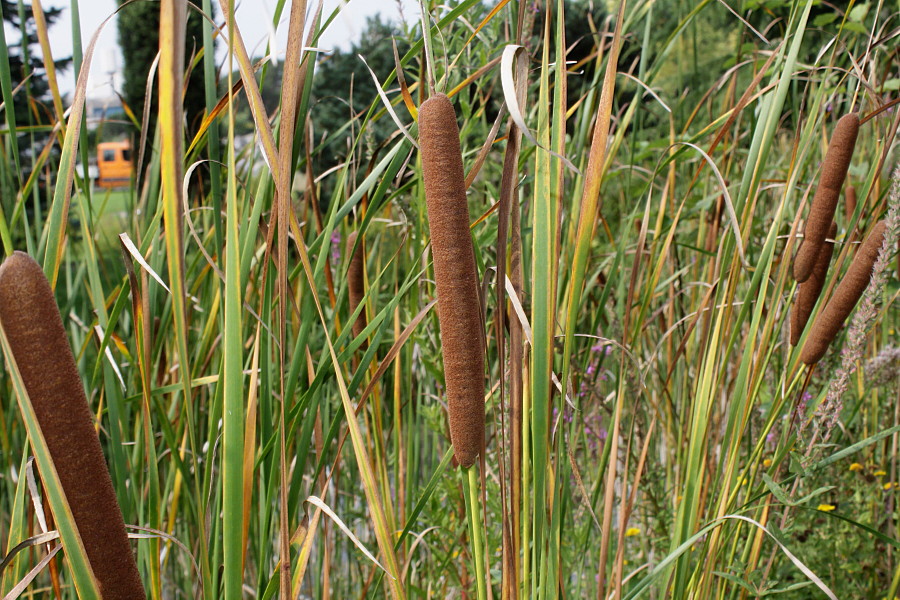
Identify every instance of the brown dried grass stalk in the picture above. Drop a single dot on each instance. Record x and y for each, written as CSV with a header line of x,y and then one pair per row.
x,y
849,203
356,283
821,212
808,292
456,278
847,294
34,328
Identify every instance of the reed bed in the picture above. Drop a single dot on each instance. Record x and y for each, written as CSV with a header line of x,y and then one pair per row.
x,y
580,255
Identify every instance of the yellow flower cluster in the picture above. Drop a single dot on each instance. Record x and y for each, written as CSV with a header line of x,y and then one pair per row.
x,y
857,467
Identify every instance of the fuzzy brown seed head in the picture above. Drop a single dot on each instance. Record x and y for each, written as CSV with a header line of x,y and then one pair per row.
x,y
846,295
356,286
33,326
831,180
456,278
809,291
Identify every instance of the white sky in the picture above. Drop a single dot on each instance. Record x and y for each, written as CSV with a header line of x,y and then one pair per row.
x,y
254,18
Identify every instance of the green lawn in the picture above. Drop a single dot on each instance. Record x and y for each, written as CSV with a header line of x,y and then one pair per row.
x,y
111,212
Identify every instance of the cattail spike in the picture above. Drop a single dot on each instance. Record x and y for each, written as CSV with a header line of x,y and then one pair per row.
x,y
36,335
356,286
847,294
456,277
821,212
809,291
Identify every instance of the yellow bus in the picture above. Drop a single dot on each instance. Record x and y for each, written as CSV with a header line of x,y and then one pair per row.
x,y
114,164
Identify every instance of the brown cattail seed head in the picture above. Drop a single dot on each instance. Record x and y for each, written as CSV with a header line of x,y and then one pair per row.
x,y
34,328
356,284
808,292
849,203
831,180
456,278
847,294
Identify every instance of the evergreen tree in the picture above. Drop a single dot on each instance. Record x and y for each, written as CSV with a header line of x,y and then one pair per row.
x,y
139,50
23,61
337,73
32,105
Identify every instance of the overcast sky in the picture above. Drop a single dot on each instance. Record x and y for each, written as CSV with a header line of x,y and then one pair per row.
x,y
254,18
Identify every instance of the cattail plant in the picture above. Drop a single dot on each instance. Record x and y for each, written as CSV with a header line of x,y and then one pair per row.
x,y
34,329
356,286
847,294
821,212
808,292
456,279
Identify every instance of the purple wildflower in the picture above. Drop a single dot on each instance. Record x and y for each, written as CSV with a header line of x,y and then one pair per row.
x,y
335,245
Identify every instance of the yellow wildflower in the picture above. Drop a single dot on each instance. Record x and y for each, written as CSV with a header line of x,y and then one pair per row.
x,y
880,473
826,507
632,531
767,463
856,467
888,485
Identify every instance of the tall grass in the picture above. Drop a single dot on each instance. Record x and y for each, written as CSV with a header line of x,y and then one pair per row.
x,y
633,214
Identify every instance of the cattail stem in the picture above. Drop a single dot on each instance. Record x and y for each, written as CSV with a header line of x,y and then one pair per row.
x,y
456,278
847,294
37,338
476,529
821,212
809,291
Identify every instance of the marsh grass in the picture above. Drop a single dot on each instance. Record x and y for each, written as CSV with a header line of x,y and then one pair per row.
x,y
632,218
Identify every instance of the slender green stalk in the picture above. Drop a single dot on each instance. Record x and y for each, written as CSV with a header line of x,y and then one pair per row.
x,y
233,364
476,528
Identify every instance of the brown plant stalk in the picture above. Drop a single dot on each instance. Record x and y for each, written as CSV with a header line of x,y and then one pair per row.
x,y
356,285
849,203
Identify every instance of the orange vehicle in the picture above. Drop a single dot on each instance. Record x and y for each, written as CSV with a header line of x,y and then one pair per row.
x,y
114,164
